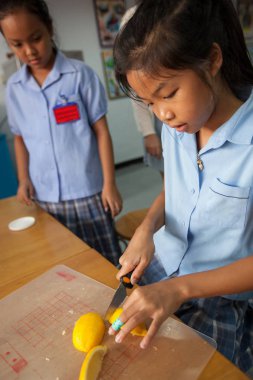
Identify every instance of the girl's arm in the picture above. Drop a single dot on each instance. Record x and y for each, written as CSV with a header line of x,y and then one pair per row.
x,y
230,279
110,195
145,121
25,188
144,118
141,248
159,300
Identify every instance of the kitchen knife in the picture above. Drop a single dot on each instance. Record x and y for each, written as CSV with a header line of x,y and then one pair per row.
x,y
119,295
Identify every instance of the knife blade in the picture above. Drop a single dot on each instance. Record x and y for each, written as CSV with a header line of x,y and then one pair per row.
x,y
119,295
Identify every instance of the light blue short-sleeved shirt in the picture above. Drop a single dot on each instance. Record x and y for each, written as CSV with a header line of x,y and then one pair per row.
x,y
209,213
64,162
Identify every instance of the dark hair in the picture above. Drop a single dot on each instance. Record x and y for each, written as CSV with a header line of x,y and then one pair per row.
x,y
179,34
36,7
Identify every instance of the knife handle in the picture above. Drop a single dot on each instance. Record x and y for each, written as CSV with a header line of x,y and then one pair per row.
x,y
125,280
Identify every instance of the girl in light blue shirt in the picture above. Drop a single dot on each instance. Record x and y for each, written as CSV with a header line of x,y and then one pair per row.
x,y
56,109
187,60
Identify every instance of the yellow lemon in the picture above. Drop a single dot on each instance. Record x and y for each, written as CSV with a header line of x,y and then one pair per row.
x,y
139,330
115,315
92,363
88,331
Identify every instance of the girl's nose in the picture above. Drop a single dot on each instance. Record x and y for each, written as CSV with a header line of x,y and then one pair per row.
x,y
164,114
29,50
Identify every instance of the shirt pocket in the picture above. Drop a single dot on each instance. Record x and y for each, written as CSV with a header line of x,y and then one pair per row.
x,y
226,204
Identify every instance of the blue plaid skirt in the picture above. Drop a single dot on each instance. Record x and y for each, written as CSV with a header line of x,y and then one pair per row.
x,y
228,322
87,219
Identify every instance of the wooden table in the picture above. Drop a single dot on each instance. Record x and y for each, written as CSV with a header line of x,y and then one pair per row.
x,y
26,254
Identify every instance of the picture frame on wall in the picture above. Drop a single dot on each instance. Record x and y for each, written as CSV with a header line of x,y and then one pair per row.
x,y
108,16
245,13
113,89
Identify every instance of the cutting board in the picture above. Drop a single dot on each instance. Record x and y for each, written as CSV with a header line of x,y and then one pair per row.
x,y
36,323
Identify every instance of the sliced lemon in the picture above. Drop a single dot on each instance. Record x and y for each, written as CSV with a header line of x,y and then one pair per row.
x,y
88,331
92,363
139,330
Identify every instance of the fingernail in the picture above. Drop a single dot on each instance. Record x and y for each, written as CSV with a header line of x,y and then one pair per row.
x,y
118,338
143,345
111,331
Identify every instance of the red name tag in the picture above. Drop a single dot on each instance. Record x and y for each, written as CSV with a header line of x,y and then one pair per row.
x,y
66,113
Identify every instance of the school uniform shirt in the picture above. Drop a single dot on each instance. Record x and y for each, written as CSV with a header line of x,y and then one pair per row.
x,y
55,123
208,213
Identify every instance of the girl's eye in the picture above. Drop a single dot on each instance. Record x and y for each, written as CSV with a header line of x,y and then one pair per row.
x,y
16,45
173,93
36,38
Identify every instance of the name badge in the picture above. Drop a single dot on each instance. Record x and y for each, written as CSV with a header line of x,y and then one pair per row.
x,y
65,113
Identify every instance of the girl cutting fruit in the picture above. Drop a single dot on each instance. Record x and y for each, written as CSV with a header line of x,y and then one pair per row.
x,y
187,60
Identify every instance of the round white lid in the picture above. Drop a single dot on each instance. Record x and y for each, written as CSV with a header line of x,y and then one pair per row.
x,y
21,223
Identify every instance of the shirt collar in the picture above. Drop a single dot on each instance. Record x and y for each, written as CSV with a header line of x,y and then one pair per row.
x,y
62,65
238,129
241,127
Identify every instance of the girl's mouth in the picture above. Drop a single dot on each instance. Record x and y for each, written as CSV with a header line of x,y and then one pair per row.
x,y
181,127
34,61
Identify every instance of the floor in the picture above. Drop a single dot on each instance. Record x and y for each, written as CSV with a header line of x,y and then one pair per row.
x,y
138,185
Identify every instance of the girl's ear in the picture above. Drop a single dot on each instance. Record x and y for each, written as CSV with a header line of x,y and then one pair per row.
x,y
215,59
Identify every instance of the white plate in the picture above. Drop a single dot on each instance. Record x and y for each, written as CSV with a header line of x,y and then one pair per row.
x,y
21,223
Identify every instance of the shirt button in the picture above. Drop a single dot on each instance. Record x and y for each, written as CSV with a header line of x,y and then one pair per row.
x,y
193,191
183,223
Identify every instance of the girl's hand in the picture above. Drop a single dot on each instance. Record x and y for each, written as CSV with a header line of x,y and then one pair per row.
x,y
155,302
111,199
153,145
138,254
25,193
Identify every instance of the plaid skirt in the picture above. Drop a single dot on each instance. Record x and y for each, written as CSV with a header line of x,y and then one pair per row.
x,y
87,219
228,322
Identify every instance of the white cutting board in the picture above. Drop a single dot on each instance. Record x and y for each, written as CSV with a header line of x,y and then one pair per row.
x,y
36,323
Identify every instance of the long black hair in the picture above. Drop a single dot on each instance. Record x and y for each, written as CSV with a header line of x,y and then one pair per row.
x,y
36,7
179,34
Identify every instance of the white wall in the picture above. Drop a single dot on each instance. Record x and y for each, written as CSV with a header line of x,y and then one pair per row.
x,y
75,26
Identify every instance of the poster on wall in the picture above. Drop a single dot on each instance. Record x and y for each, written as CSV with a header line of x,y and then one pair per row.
x,y
113,88
245,13
108,16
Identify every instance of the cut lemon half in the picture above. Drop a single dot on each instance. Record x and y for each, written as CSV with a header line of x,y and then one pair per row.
x,y
92,363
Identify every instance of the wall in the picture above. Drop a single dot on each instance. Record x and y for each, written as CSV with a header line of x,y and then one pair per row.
x,y
75,26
